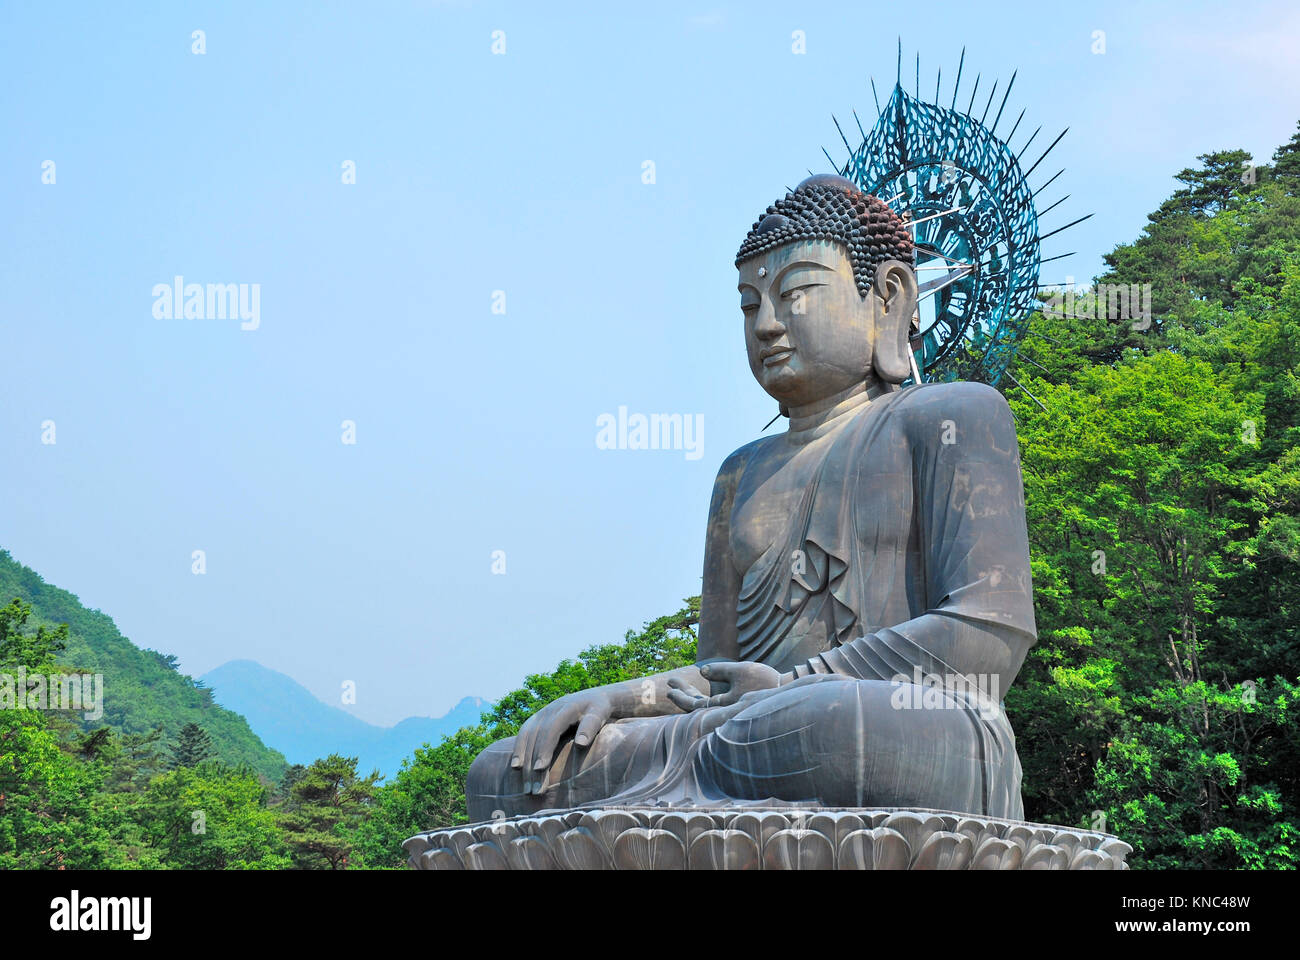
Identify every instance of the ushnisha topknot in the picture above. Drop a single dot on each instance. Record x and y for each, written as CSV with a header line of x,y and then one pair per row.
x,y
829,207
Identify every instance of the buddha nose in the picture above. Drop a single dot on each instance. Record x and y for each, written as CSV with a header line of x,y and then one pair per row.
x,y
766,324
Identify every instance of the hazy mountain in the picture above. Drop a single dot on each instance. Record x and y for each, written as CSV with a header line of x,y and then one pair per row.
x,y
290,717
143,690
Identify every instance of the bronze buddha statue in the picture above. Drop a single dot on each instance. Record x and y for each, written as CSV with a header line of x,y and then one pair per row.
x,y
876,547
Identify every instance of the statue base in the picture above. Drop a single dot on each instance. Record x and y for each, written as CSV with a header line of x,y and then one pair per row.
x,y
762,837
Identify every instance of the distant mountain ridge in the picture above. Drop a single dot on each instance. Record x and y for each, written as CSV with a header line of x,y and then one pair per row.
x,y
288,716
143,690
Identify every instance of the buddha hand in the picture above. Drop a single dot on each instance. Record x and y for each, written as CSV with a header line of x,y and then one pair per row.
x,y
537,739
743,677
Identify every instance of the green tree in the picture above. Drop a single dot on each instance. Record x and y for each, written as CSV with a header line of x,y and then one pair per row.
x,y
48,814
192,746
210,816
1162,480
325,807
1222,176
1286,163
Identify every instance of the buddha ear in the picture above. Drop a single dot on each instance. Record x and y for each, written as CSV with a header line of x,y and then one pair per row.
x,y
894,287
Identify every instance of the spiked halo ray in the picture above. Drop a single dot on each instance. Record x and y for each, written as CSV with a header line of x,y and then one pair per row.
x,y
974,218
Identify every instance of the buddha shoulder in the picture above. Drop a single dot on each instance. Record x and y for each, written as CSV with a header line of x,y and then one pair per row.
x,y
941,412
736,460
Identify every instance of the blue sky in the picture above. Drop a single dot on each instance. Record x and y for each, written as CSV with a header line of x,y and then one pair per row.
x,y
475,431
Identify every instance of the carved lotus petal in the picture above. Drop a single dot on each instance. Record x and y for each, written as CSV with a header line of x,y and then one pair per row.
x,y
644,849
1117,850
438,838
798,850
440,858
797,819
836,826
724,850
1046,856
1091,860
1071,840
461,841
1020,835
877,849
485,856
994,853
528,826
945,850
414,846
529,852
878,818
548,828
915,827
580,850
608,825
685,826
979,830
760,826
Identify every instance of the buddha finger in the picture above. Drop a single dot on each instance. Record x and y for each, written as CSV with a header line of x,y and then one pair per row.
x,y
588,728
689,689
549,738
524,741
677,683
724,671
687,701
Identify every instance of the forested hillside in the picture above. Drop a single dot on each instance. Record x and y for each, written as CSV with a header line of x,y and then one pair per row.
x,y
1162,485
143,689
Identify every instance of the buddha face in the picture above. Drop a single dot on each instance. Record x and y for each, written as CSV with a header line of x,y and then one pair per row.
x,y
808,332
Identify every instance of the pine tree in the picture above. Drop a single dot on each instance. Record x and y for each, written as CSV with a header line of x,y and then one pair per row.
x,y
1223,175
327,803
193,746
1286,163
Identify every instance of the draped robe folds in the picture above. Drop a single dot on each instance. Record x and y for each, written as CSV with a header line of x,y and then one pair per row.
x,y
906,560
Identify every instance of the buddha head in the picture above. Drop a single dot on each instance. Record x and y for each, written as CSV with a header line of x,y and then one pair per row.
x,y
828,291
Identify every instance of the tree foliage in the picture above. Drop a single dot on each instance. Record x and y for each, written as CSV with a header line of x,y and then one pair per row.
x,y
326,804
1163,491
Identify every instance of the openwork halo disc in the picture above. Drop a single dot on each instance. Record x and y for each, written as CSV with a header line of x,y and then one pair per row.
x,y
975,225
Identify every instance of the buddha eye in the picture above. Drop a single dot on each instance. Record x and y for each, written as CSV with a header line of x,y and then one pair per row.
x,y
790,292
